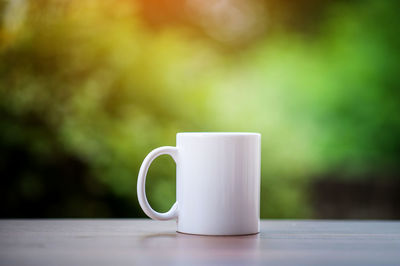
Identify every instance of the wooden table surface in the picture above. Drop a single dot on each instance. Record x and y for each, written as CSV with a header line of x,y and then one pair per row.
x,y
146,242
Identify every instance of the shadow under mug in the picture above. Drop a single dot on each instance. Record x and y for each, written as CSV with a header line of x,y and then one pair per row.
x,y
217,183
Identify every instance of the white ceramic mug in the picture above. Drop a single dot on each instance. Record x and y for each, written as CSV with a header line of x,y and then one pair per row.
x,y
217,186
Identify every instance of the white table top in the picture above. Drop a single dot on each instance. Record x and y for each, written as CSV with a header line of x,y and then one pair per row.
x,y
146,242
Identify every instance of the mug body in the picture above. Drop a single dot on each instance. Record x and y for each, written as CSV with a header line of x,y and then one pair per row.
x,y
218,183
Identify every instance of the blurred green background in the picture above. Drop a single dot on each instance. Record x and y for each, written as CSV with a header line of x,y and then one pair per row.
x,y
88,88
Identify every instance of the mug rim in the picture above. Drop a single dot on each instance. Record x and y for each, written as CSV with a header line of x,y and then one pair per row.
x,y
218,134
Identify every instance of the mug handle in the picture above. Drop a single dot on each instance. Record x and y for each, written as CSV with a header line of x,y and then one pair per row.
x,y
141,184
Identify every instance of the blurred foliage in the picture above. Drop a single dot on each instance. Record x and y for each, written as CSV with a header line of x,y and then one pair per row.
x,y
88,88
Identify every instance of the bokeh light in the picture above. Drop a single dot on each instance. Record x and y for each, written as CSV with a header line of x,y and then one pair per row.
x,y
88,88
